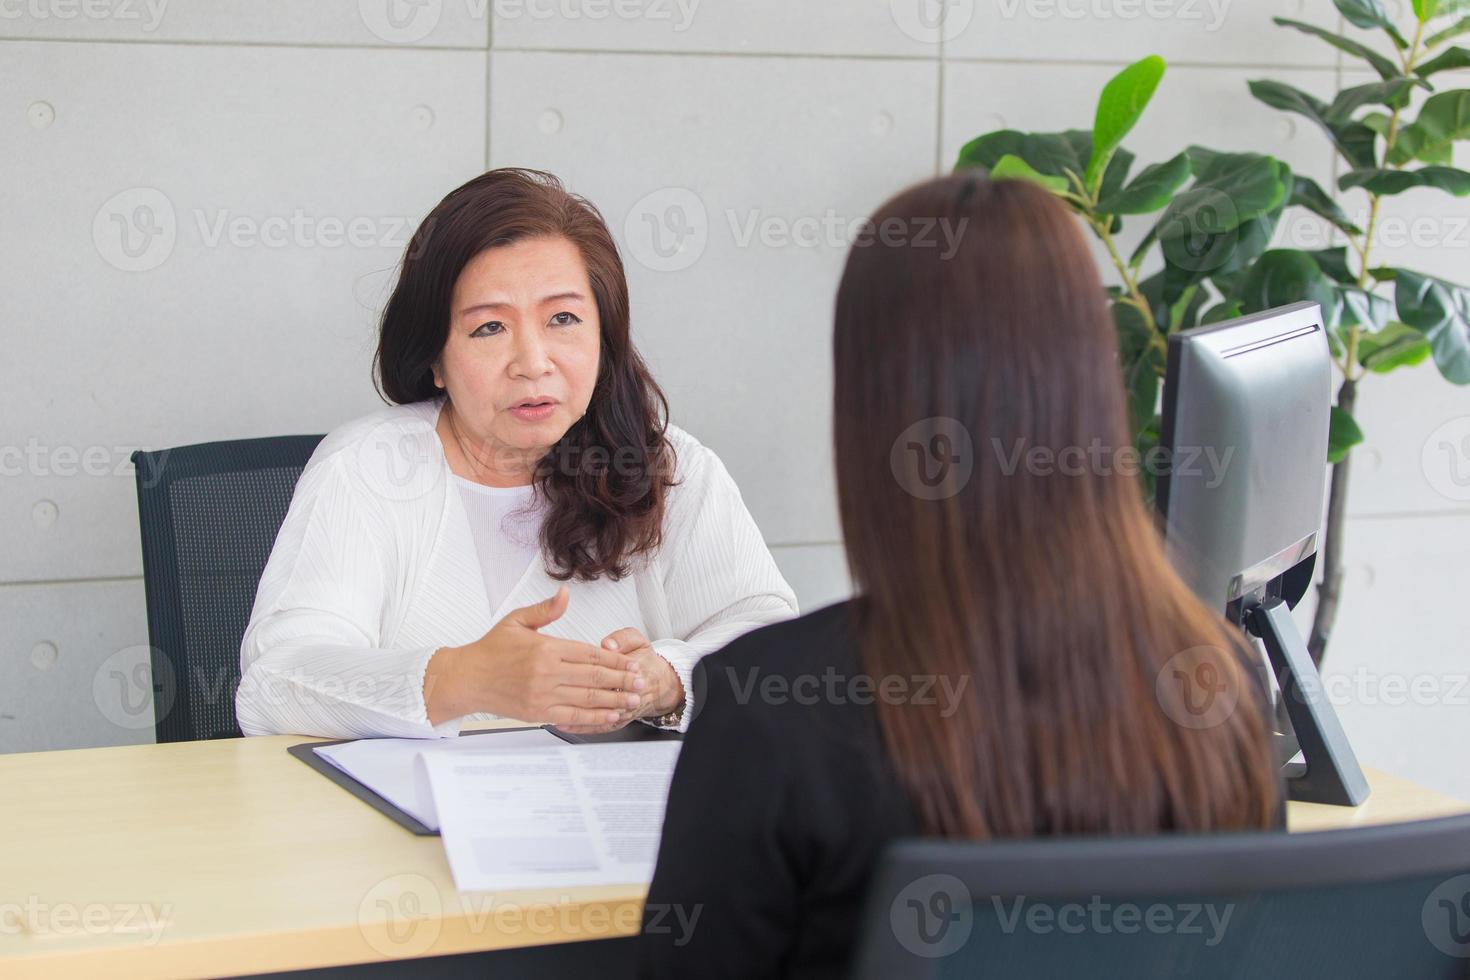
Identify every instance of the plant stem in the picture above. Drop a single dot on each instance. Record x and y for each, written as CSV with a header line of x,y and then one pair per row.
x,y
1130,284
1329,590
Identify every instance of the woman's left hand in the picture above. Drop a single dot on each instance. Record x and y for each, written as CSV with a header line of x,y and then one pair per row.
x,y
662,691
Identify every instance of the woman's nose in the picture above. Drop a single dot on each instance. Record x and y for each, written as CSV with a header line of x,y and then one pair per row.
x,y
530,360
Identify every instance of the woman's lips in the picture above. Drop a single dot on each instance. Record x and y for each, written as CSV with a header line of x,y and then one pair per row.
x,y
535,412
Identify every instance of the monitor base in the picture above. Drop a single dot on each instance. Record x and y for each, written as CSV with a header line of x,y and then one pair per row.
x,y
1330,773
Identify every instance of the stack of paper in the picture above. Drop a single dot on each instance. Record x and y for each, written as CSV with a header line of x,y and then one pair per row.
x,y
526,809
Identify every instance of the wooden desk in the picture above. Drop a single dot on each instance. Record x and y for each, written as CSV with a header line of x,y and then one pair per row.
x,y
248,861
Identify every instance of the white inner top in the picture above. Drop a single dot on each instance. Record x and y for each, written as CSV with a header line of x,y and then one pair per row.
x,y
506,535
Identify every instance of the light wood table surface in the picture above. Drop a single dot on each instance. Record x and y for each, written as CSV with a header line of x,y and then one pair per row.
x,y
201,858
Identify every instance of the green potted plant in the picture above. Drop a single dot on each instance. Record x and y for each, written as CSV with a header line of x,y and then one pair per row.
x,y
1213,214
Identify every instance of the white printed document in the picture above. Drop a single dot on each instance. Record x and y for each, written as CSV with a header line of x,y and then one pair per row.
x,y
551,817
385,765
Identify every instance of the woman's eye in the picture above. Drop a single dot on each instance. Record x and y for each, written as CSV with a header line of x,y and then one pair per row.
x,y
566,319
488,329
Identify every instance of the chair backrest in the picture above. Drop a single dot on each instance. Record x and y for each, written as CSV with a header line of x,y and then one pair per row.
x,y
1383,901
208,517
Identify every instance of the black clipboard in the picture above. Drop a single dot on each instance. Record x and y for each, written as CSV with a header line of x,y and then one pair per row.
x,y
305,752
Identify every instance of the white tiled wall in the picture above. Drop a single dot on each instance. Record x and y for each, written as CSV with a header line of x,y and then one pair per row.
x,y
201,205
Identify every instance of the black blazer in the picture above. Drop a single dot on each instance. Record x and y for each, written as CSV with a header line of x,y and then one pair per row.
x,y
781,802
780,805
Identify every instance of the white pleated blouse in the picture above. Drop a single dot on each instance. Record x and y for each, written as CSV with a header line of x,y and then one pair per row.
x,y
376,567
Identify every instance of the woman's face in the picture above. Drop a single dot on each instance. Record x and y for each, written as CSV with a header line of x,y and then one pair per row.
x,y
524,338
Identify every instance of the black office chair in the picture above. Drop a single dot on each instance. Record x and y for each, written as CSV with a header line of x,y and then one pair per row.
x,y
208,516
1379,902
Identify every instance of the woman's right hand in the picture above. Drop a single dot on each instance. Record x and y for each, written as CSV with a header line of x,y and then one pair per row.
x,y
515,672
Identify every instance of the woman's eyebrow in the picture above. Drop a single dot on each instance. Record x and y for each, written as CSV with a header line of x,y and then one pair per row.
x,y
553,298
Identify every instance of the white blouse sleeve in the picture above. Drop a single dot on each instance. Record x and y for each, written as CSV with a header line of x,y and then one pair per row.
x,y
311,660
719,577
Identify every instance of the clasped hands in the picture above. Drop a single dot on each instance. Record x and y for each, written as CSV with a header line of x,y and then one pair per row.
x,y
516,672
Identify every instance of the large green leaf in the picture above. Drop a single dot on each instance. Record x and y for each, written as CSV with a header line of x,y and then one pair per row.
x,y
1363,309
1343,434
1425,9
1450,60
1334,262
1352,139
1392,92
1225,310
1378,181
1454,31
1286,275
1151,190
1119,107
1013,167
1369,14
1443,119
1225,218
1049,154
1441,311
1385,67
1396,345
1142,364
1307,193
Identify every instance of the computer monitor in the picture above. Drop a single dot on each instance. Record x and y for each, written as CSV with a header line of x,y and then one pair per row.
x,y
1247,404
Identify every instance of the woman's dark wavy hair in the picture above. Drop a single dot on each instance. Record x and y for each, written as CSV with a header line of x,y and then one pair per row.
x,y
606,480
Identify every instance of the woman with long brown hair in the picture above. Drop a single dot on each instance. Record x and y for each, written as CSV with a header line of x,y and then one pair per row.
x,y
521,533
1008,666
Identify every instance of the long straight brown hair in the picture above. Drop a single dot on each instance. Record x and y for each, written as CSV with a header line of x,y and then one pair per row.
x,y
1019,555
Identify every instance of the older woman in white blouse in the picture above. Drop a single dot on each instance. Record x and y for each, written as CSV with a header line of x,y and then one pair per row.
x,y
417,580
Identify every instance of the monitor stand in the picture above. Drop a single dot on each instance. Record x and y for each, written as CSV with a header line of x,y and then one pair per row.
x,y
1331,773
